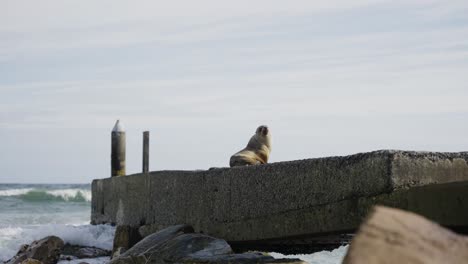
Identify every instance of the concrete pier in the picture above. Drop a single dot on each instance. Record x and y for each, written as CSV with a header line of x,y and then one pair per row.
x,y
288,202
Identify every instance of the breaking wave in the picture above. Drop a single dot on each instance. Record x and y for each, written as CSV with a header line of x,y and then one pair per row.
x,y
41,195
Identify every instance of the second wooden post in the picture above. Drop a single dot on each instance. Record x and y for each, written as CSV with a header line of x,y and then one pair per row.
x,y
145,151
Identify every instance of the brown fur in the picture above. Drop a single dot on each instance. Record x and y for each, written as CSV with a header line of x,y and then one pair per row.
x,y
257,150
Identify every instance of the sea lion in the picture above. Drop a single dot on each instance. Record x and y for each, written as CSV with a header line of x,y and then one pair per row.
x,y
257,151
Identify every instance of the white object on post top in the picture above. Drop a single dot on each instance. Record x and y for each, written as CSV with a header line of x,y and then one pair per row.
x,y
118,127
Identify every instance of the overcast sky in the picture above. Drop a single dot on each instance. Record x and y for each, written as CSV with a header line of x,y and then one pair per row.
x,y
328,78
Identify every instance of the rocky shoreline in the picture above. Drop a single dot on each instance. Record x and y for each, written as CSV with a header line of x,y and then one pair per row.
x,y
52,249
387,235
176,244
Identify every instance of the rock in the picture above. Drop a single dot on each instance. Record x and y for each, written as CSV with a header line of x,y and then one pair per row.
x,y
125,237
146,230
192,246
246,258
67,257
396,236
84,252
92,252
157,239
31,261
178,244
46,250
119,251
152,242
70,249
22,249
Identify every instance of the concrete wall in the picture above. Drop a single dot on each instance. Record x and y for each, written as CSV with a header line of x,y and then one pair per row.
x,y
285,199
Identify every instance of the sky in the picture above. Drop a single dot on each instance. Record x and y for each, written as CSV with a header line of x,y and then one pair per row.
x,y
328,77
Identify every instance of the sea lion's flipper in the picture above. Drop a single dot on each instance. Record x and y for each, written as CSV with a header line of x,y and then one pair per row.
x,y
241,161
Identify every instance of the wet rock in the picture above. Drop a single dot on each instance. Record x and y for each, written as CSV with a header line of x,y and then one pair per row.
x,y
91,252
67,257
146,230
151,244
70,250
192,246
178,244
119,251
125,237
396,236
155,240
22,249
84,252
46,250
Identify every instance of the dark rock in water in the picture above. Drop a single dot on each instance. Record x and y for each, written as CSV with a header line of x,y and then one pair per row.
x,y
178,244
90,252
125,237
84,252
67,257
46,250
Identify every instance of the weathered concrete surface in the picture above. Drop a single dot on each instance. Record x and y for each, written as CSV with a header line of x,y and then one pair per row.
x,y
444,203
288,199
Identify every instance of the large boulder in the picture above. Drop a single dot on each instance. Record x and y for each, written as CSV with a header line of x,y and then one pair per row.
x,y
156,240
396,236
144,249
191,246
46,250
178,244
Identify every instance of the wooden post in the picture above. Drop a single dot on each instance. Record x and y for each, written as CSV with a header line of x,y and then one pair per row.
x,y
145,151
118,150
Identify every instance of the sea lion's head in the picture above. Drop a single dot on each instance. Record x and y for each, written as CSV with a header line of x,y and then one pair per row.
x,y
263,136
262,131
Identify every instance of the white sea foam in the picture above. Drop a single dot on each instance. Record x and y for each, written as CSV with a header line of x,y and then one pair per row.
x,y
11,238
323,257
15,192
68,194
62,194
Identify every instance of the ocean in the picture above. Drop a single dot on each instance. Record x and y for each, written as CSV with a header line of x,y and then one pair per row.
x,y
32,211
